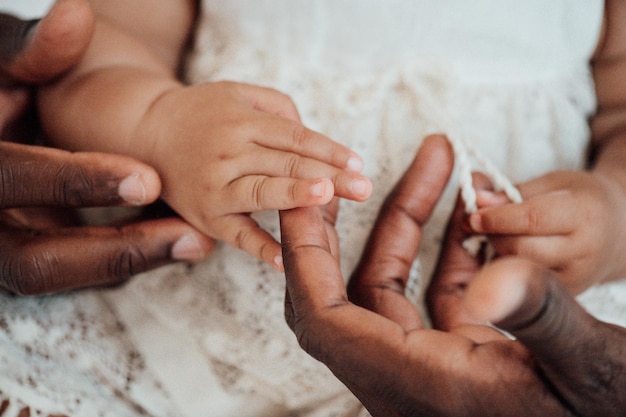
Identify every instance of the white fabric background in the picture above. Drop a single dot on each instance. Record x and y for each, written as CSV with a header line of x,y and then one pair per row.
x,y
210,339
27,9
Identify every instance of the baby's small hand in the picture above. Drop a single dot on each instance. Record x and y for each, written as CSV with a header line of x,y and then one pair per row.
x,y
571,221
225,150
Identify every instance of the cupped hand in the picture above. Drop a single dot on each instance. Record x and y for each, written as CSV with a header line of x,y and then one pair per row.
x,y
41,249
564,362
569,221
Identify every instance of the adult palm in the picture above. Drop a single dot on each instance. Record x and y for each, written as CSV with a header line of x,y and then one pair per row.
x,y
563,362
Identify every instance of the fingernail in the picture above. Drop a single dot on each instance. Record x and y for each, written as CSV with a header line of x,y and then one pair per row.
x,y
278,263
489,198
187,248
132,190
355,164
319,189
475,222
361,187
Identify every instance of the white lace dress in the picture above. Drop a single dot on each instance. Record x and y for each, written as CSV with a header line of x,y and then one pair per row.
x,y
511,77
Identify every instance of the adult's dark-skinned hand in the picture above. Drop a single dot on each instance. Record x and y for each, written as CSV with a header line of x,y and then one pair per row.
x,y
42,248
563,363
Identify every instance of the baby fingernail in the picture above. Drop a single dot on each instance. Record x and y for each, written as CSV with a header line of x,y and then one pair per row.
x,y
132,190
355,164
361,187
278,263
319,189
187,248
489,198
475,222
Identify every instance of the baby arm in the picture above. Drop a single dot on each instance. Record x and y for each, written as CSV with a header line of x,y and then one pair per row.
x,y
223,149
575,221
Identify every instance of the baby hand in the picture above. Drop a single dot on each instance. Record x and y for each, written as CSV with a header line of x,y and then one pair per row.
x,y
225,150
570,221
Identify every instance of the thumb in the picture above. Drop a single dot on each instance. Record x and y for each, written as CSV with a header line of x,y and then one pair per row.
x,y
37,51
583,359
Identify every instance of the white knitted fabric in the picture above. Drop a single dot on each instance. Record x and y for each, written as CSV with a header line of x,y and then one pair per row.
x,y
507,78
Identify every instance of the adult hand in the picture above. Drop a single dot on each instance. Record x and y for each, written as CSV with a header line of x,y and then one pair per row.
x,y
39,253
564,362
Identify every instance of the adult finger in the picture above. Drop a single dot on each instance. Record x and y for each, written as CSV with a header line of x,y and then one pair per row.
x,y
330,212
455,269
583,359
326,324
308,256
379,280
52,260
35,52
39,176
394,372
456,265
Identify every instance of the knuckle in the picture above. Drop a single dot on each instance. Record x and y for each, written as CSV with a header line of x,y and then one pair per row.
x,y
49,182
7,185
287,102
301,136
242,238
401,208
292,165
256,194
534,219
127,262
245,240
10,274
30,273
71,186
292,194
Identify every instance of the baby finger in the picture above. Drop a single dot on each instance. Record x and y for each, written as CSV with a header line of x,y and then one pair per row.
x,y
552,251
557,212
242,232
259,192
350,185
